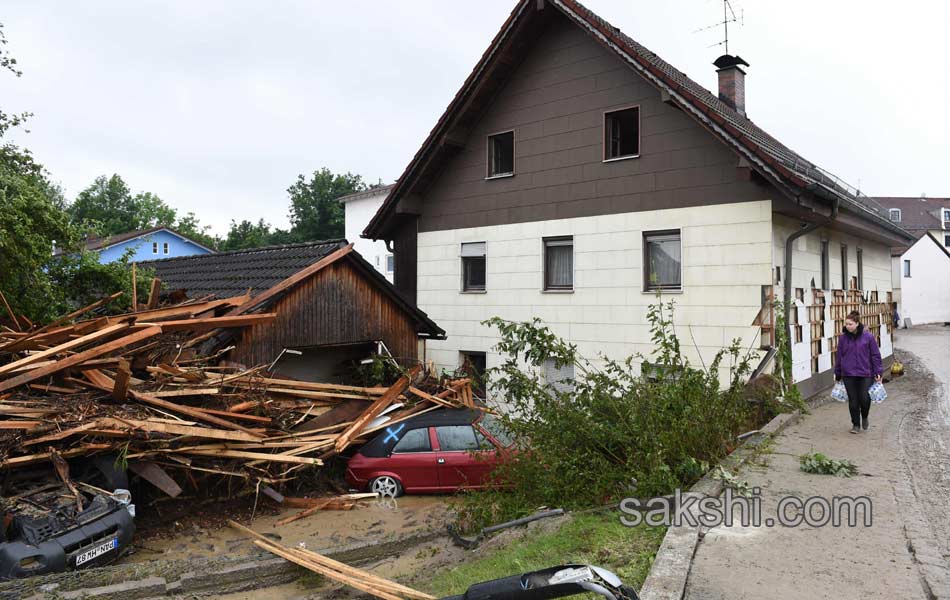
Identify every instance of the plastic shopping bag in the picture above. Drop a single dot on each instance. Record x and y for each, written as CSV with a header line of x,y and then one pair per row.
x,y
839,392
877,392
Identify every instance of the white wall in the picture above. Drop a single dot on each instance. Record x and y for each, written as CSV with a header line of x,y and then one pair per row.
x,y
925,295
359,211
726,261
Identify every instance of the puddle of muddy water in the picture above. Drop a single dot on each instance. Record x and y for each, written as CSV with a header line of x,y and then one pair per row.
x,y
372,520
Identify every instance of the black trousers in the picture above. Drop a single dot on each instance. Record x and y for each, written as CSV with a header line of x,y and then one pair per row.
x,y
859,402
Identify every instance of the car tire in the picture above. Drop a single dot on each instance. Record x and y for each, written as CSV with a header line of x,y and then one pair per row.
x,y
386,486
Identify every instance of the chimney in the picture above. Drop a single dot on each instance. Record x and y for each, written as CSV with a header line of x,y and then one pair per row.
x,y
732,81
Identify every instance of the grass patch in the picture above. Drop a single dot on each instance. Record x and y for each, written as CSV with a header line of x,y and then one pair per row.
x,y
598,538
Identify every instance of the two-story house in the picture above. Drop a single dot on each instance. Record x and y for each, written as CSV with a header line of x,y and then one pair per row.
x,y
576,174
358,209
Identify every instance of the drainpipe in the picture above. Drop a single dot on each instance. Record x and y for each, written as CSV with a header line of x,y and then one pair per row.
x,y
787,296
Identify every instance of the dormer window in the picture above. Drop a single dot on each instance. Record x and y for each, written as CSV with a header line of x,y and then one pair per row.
x,y
895,215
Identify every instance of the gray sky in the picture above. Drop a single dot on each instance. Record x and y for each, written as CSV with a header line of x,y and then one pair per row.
x,y
216,106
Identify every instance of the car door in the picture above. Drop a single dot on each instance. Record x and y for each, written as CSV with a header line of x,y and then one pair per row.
x,y
464,460
414,461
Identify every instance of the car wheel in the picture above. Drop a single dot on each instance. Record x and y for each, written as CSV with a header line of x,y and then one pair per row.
x,y
386,486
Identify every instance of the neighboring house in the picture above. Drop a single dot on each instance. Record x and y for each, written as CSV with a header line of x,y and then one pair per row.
x,y
334,306
923,273
360,208
576,174
922,217
148,244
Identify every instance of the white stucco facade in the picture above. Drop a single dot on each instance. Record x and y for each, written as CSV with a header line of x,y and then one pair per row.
x,y
360,208
925,294
726,259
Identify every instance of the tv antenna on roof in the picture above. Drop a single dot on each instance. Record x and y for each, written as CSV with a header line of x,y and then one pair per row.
x,y
728,16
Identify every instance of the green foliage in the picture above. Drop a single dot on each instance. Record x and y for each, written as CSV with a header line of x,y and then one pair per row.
x,y
246,234
730,480
615,432
819,464
9,63
789,392
315,213
599,539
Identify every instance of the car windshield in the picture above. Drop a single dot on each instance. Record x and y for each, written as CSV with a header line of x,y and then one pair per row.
x,y
496,428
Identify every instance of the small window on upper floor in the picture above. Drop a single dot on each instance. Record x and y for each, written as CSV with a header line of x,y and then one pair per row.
x,y
390,263
946,217
622,133
154,247
165,248
501,154
895,215
473,267
906,268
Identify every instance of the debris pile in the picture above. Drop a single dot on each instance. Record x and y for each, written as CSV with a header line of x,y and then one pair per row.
x,y
141,387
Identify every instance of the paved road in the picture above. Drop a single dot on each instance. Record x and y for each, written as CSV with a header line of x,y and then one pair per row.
x,y
903,466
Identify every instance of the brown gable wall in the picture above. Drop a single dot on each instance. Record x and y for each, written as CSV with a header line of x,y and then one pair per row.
x,y
338,305
555,102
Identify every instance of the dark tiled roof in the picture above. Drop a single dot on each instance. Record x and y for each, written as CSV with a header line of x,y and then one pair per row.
x,y
917,214
783,164
228,274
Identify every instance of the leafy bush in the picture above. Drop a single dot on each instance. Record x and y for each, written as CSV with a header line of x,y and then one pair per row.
x,y
819,464
614,432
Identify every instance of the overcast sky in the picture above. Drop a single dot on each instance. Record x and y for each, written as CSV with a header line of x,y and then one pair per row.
x,y
216,106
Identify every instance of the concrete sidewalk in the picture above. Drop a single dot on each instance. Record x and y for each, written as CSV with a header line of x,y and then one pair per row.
x,y
824,562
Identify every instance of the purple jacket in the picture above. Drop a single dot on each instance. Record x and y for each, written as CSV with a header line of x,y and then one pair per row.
x,y
858,355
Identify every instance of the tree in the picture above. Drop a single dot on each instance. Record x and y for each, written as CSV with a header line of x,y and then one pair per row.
x,y
315,213
108,207
245,235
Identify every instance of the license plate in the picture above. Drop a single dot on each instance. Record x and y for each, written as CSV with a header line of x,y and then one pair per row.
x,y
97,551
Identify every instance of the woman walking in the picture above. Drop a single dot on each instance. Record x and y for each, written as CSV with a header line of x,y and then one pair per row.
x,y
859,365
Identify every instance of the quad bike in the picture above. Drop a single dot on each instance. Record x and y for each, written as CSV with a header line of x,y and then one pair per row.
x,y
553,582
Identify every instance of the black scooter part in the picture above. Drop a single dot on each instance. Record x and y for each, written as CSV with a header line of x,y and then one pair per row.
x,y
54,543
536,585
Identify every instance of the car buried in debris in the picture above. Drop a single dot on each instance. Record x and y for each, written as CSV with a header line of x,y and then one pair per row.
x,y
438,452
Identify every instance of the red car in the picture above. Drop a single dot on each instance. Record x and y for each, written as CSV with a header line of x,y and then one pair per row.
x,y
442,451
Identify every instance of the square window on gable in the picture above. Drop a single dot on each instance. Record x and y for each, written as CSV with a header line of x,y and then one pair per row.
x,y
622,133
501,154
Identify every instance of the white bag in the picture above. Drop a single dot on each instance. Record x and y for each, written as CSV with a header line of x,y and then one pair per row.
x,y
877,392
839,393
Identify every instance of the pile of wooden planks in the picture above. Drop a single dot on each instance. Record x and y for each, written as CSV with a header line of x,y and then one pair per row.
x,y
135,386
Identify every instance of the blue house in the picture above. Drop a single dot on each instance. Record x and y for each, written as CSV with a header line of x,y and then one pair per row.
x,y
148,244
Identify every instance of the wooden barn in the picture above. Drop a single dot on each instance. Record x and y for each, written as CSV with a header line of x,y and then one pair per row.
x,y
332,306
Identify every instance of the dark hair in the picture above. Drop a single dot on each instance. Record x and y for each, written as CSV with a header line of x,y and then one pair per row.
x,y
854,316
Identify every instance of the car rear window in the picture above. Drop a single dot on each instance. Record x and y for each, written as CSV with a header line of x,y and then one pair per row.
x,y
496,429
415,440
456,437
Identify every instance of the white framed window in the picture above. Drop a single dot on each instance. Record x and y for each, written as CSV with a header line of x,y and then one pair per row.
x,y
622,133
390,263
662,260
560,378
895,215
473,266
154,247
559,263
164,247
946,217
907,268
501,154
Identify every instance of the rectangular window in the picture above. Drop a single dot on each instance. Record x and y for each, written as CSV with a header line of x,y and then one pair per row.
x,y
165,248
860,268
622,133
946,241
501,154
844,267
662,264
474,364
825,264
559,263
906,268
895,215
390,263
946,217
473,267
561,379
154,247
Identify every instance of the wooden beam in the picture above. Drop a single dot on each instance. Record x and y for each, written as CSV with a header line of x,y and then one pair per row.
x,y
76,359
284,458
135,291
175,429
401,385
216,322
121,388
157,476
16,324
44,456
153,294
291,281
